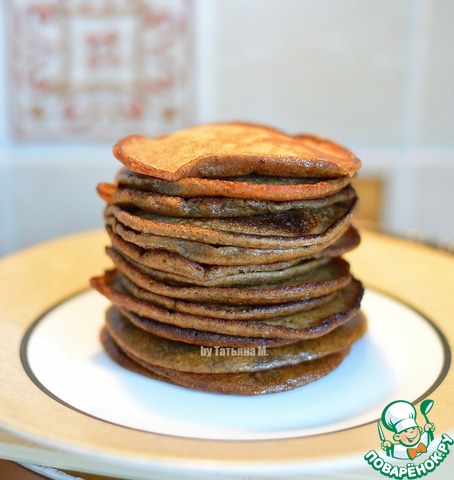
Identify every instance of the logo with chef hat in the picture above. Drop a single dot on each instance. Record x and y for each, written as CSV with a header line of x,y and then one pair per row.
x,y
411,440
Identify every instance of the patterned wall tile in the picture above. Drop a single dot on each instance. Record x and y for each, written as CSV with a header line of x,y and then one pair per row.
x,y
100,69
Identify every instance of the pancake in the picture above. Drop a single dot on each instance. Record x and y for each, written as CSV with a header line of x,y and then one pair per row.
x,y
175,206
200,273
292,229
228,238
304,325
213,310
313,283
234,149
244,383
210,339
199,337
252,186
228,255
248,278
185,357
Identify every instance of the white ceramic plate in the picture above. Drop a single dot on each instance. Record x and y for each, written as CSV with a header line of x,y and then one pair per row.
x,y
62,355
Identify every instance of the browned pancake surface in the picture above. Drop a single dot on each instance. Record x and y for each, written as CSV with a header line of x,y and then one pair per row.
x,y
310,324
285,230
200,274
185,357
277,189
218,310
314,282
203,274
230,255
350,330
209,206
232,149
200,337
249,187
264,276
229,236
243,383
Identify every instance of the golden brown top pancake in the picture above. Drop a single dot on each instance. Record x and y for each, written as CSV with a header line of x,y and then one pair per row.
x,y
233,149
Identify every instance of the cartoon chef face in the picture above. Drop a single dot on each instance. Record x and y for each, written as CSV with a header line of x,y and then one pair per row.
x,y
409,437
400,417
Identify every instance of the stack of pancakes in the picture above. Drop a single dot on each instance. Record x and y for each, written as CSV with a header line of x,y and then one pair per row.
x,y
227,242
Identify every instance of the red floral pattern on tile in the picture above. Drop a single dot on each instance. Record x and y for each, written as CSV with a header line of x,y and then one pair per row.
x,y
100,69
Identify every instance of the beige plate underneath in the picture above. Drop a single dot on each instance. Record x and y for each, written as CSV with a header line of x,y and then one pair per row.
x,y
36,428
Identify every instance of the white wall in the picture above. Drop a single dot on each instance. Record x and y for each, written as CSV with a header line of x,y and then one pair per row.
x,y
376,76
